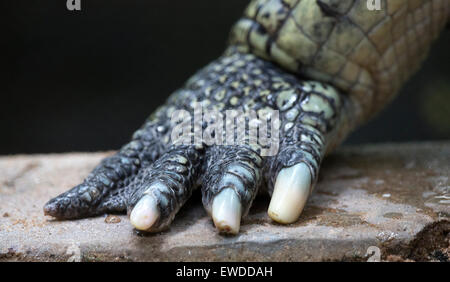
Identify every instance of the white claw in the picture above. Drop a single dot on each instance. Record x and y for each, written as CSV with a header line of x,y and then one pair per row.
x,y
226,211
290,193
144,213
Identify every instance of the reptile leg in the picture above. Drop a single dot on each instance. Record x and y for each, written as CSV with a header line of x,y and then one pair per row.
x,y
339,42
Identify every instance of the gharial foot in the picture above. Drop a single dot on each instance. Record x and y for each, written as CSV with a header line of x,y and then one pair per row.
x,y
151,177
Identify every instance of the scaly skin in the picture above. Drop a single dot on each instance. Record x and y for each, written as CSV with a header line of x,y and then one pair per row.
x,y
326,66
367,54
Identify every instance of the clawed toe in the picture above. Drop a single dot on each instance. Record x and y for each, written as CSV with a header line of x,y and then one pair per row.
x,y
145,213
227,212
291,191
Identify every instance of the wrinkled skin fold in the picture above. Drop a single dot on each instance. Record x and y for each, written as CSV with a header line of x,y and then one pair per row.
x,y
323,66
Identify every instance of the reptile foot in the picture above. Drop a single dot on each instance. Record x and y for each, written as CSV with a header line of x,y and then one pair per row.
x,y
155,174
367,54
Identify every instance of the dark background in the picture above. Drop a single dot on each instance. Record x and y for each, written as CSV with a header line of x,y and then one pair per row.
x,y
85,80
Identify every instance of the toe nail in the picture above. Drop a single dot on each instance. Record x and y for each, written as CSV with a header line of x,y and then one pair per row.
x,y
144,213
290,193
49,209
226,211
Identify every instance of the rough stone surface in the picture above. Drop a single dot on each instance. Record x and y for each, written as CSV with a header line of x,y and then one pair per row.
x,y
395,197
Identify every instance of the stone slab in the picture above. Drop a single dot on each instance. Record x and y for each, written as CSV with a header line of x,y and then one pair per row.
x,y
394,198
